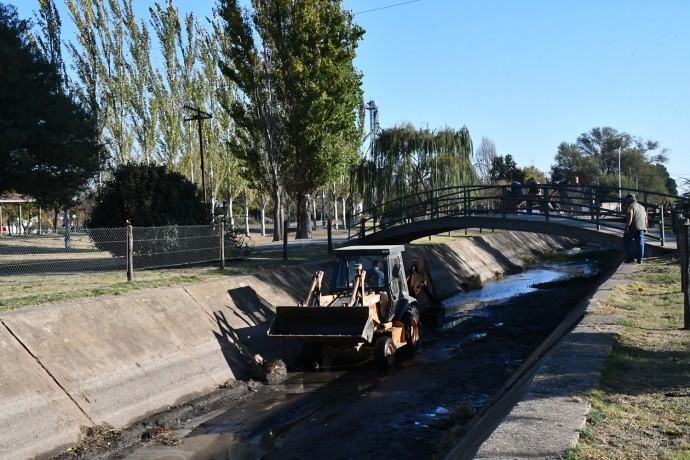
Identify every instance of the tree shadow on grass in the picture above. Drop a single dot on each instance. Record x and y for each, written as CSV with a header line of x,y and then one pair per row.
x,y
636,371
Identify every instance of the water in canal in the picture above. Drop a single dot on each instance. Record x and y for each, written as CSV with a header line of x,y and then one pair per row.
x,y
477,302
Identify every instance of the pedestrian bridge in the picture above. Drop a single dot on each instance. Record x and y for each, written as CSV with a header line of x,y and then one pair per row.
x,y
588,213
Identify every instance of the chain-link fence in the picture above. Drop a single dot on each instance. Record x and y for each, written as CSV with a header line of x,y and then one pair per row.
x,y
106,249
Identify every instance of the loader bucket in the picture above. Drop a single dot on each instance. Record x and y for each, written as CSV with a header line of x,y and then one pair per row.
x,y
335,325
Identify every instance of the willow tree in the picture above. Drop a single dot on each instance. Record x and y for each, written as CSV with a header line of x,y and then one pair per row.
x,y
300,93
410,160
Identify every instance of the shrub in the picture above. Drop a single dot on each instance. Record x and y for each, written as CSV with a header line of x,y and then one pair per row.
x,y
148,196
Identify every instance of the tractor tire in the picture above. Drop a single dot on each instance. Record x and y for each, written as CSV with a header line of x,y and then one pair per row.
x,y
410,320
384,352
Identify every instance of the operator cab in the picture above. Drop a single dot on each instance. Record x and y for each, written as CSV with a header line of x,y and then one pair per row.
x,y
374,260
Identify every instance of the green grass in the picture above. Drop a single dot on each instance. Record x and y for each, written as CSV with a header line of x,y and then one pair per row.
x,y
641,409
29,290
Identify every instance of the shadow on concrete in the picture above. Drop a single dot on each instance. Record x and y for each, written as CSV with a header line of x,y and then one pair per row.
x,y
238,357
251,339
499,256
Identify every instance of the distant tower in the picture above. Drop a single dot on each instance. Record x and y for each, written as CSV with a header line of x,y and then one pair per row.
x,y
373,109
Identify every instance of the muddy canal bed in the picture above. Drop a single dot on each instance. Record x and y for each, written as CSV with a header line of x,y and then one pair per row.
x,y
417,409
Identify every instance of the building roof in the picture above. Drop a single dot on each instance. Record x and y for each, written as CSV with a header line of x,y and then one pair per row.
x,y
15,198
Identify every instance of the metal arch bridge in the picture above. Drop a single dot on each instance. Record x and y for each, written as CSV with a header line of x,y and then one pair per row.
x,y
587,213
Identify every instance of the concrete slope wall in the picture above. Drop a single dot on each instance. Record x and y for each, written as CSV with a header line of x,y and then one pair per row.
x,y
485,257
118,359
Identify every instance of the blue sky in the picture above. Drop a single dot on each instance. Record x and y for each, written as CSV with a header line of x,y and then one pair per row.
x,y
526,74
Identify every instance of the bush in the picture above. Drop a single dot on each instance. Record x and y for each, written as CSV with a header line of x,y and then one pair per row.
x,y
148,196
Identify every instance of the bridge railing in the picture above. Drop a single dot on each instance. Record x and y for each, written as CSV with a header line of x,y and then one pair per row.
x,y
602,205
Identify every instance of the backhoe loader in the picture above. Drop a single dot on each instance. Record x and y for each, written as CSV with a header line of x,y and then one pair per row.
x,y
367,309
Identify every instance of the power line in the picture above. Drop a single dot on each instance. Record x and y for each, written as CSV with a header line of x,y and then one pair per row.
x,y
385,7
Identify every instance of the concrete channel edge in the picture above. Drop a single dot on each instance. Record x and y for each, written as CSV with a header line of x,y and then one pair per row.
x,y
548,418
118,359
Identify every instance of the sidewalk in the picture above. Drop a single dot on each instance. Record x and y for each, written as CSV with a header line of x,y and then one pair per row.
x,y
547,421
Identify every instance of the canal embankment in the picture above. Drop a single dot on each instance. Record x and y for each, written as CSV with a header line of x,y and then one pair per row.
x,y
117,359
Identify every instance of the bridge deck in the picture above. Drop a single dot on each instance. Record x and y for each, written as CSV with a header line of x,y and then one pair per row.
x,y
586,212
606,232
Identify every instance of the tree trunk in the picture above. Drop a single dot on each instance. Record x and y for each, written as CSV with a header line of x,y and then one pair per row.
x,y
246,213
263,215
277,221
68,240
313,213
323,207
335,207
304,217
231,217
342,203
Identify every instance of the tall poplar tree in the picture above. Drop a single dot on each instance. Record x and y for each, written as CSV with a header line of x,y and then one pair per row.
x,y
100,58
144,107
299,94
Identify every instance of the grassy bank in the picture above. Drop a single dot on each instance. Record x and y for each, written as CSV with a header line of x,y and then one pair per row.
x,y
28,290
641,409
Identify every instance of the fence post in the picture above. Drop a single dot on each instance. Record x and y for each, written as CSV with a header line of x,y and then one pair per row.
x,y
678,224
685,267
465,203
504,193
286,226
222,244
330,237
130,253
662,233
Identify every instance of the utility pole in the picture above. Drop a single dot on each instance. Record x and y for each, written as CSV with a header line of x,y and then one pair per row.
x,y
199,116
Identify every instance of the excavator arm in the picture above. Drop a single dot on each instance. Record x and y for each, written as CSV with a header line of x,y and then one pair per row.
x,y
419,279
314,297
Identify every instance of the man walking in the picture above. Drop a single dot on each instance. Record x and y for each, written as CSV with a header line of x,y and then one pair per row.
x,y
635,228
